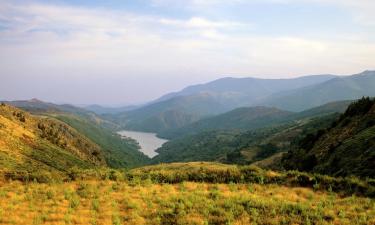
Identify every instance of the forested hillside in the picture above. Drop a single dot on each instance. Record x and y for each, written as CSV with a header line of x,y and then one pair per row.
x,y
345,148
236,146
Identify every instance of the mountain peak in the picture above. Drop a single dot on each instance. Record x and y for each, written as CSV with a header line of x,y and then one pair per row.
x,y
367,72
35,100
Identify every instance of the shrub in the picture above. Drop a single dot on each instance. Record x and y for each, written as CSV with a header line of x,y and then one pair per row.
x,y
73,173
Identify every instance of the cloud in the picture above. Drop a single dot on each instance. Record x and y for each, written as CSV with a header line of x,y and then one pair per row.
x,y
198,22
362,10
44,40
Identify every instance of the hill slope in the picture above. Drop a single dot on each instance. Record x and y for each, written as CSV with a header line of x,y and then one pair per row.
x,y
32,143
345,148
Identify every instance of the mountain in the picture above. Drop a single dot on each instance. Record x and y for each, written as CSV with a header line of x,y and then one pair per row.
x,y
336,89
98,109
34,143
345,148
245,118
248,89
169,114
176,110
179,109
37,106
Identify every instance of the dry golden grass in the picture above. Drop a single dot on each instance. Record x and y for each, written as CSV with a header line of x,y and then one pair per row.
x,y
109,202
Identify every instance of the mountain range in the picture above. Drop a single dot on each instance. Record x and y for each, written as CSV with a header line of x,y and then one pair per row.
x,y
180,109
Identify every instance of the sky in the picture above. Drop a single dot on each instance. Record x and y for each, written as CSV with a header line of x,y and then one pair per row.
x,y
118,52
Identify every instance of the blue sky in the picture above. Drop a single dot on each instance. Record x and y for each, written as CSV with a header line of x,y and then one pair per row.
x,y
118,52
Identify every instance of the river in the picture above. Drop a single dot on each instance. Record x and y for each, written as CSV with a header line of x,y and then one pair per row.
x,y
148,142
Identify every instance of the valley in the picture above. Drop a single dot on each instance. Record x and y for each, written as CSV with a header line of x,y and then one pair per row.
x,y
181,160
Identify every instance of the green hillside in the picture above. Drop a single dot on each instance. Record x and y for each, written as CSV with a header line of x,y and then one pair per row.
x,y
252,118
237,146
35,144
344,148
246,118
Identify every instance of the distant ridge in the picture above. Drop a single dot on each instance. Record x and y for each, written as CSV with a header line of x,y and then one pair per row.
x,y
179,109
336,89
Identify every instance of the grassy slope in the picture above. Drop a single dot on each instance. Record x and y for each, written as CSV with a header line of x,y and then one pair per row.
x,y
251,199
34,144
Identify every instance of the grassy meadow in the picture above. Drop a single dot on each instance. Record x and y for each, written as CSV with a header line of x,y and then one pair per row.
x,y
164,194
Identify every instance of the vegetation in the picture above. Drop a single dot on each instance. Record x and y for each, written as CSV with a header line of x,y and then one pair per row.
x,y
236,146
246,118
118,152
345,148
53,172
189,194
33,144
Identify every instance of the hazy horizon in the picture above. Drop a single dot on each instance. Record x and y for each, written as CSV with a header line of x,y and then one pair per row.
x,y
131,52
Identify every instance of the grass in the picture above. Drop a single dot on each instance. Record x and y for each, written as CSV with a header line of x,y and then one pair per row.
x,y
35,144
195,203
145,196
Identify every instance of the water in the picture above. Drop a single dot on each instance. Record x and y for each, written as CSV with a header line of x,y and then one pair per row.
x,y
147,141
